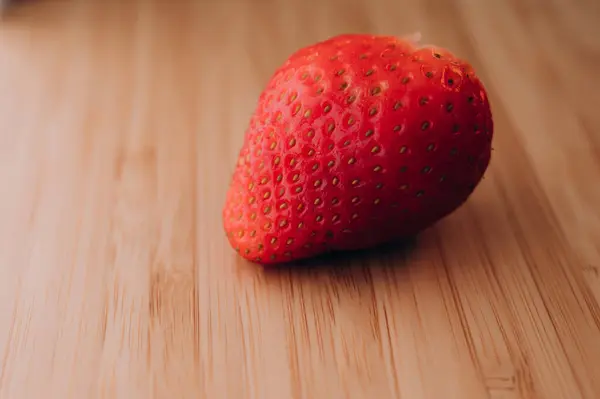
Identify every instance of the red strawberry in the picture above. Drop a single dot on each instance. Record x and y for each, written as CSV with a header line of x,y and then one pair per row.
x,y
356,141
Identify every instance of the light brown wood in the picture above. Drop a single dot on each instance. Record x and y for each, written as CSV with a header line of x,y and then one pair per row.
x,y
120,123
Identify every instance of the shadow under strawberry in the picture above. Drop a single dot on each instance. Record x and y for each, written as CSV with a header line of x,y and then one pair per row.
x,y
389,253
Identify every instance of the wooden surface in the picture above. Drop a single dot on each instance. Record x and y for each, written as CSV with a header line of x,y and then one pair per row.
x,y
119,128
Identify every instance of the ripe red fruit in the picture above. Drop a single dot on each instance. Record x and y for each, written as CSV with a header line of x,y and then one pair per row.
x,y
357,141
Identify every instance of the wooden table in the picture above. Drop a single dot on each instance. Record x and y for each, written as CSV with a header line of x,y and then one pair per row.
x,y
119,128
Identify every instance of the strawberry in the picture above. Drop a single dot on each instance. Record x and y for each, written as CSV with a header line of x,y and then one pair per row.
x,y
356,141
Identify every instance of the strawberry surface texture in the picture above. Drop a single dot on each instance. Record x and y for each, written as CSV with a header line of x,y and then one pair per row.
x,y
356,141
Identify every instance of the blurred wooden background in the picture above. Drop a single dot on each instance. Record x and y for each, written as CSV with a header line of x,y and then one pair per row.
x,y
119,126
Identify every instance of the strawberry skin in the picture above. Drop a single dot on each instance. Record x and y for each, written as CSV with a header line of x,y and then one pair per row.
x,y
357,141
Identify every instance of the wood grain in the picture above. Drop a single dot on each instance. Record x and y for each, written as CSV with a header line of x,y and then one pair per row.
x,y
120,123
